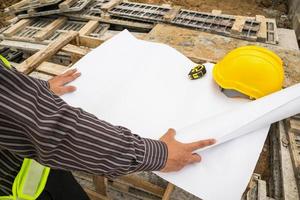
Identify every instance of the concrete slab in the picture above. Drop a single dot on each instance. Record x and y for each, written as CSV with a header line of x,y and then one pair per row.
x,y
287,38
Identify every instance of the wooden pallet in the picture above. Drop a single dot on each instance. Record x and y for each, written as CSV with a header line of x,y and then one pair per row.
x,y
30,4
45,30
53,9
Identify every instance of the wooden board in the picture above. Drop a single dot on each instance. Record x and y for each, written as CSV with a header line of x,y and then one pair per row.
x,y
50,28
36,59
51,68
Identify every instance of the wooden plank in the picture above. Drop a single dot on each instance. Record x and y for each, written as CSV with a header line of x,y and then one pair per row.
x,y
216,12
31,11
78,51
295,154
33,61
90,42
171,14
295,126
238,25
94,195
26,46
261,190
14,7
168,192
100,183
288,176
17,27
66,4
110,4
262,33
50,28
40,75
43,1
137,182
296,117
88,27
51,68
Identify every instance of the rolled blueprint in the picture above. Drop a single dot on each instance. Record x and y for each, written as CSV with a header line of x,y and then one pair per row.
x,y
246,118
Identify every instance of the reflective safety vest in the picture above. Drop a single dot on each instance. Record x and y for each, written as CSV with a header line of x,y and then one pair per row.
x,y
5,62
31,179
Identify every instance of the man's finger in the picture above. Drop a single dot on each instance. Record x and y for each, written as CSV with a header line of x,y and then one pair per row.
x,y
67,89
200,144
70,78
195,158
170,134
69,72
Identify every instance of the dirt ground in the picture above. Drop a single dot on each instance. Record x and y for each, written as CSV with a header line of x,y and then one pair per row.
x,y
3,16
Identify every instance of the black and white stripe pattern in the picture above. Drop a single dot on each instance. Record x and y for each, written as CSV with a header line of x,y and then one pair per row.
x,y
35,123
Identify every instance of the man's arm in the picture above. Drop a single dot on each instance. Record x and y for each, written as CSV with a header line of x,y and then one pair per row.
x,y
38,124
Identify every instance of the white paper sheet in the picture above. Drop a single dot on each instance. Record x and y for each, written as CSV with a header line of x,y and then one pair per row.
x,y
144,86
247,118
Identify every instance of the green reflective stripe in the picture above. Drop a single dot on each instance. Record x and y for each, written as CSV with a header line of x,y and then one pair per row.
x,y
30,181
6,63
7,198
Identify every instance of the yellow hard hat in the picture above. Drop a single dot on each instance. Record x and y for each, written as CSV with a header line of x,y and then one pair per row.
x,y
251,70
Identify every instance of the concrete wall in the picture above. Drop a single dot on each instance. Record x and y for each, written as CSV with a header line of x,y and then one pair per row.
x,y
294,15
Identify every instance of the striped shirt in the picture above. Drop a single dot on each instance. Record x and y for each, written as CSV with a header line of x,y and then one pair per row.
x,y
36,123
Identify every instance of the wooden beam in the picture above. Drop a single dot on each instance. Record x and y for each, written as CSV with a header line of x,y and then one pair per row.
x,y
262,33
40,75
168,192
66,4
143,185
94,195
16,6
26,46
90,42
100,183
288,175
88,27
79,51
43,1
295,126
50,29
170,15
36,59
110,4
238,25
31,11
51,68
17,27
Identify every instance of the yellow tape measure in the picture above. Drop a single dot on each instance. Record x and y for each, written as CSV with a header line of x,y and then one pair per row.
x,y
197,72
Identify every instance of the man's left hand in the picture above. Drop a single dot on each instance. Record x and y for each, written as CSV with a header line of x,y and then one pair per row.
x,y
58,83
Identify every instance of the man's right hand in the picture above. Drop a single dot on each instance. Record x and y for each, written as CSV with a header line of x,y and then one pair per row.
x,y
181,154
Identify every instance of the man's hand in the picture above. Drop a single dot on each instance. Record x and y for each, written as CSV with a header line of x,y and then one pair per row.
x,y
180,154
58,83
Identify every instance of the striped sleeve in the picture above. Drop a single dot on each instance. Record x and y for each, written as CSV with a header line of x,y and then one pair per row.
x,y
35,123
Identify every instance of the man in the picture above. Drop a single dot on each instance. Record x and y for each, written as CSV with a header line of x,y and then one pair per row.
x,y
36,123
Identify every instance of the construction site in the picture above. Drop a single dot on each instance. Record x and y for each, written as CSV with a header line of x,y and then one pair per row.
x,y
33,39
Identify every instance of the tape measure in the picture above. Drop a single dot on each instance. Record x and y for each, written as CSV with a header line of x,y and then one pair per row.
x,y
197,72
